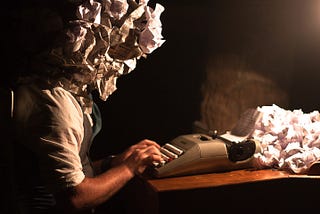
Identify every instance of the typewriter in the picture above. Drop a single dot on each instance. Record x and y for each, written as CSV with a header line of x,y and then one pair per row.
x,y
206,152
199,153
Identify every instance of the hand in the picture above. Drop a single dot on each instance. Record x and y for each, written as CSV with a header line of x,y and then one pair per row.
x,y
137,157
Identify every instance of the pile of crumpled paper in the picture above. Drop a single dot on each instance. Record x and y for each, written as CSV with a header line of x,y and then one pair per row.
x,y
290,140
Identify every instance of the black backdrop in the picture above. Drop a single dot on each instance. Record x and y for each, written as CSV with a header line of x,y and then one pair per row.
x,y
161,98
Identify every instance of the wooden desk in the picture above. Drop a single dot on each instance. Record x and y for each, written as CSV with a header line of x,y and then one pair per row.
x,y
239,191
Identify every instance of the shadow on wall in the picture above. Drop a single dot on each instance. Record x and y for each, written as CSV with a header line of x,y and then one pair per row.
x,y
260,53
231,87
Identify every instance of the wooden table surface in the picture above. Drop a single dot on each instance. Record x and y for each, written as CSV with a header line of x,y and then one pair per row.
x,y
221,179
202,192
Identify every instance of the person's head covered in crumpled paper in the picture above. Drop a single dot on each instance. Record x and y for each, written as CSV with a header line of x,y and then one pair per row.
x,y
86,44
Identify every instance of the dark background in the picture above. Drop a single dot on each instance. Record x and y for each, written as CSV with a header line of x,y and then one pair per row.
x,y
161,98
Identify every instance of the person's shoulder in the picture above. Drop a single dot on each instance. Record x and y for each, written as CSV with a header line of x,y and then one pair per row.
x,y
62,99
54,98
59,93
39,92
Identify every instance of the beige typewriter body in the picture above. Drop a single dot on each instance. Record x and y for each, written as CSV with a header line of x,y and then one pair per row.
x,y
199,153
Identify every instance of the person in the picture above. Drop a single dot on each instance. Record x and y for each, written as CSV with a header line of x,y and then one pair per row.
x,y
69,49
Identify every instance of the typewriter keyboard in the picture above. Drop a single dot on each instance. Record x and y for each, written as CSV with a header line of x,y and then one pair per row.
x,y
169,152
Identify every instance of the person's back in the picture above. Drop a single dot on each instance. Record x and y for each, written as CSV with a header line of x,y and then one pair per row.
x,y
41,117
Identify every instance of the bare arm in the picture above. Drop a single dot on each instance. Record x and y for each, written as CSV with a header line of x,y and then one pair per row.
x,y
94,191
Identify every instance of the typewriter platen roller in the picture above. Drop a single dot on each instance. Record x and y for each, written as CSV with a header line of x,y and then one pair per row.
x,y
200,153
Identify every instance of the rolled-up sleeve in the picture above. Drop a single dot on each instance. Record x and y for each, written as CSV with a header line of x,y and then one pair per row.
x,y
51,126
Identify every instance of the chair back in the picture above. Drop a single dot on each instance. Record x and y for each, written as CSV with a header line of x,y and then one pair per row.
x,y
6,152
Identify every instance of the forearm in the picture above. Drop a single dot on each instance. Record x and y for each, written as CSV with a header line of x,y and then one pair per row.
x,y
94,191
102,165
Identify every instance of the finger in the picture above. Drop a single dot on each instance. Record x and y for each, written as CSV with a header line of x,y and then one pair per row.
x,y
154,160
145,153
149,150
149,143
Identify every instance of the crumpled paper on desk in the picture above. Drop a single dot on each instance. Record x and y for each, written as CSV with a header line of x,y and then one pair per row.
x,y
289,139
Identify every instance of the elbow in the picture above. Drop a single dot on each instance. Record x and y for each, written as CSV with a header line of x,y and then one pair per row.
x,y
78,202
71,201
